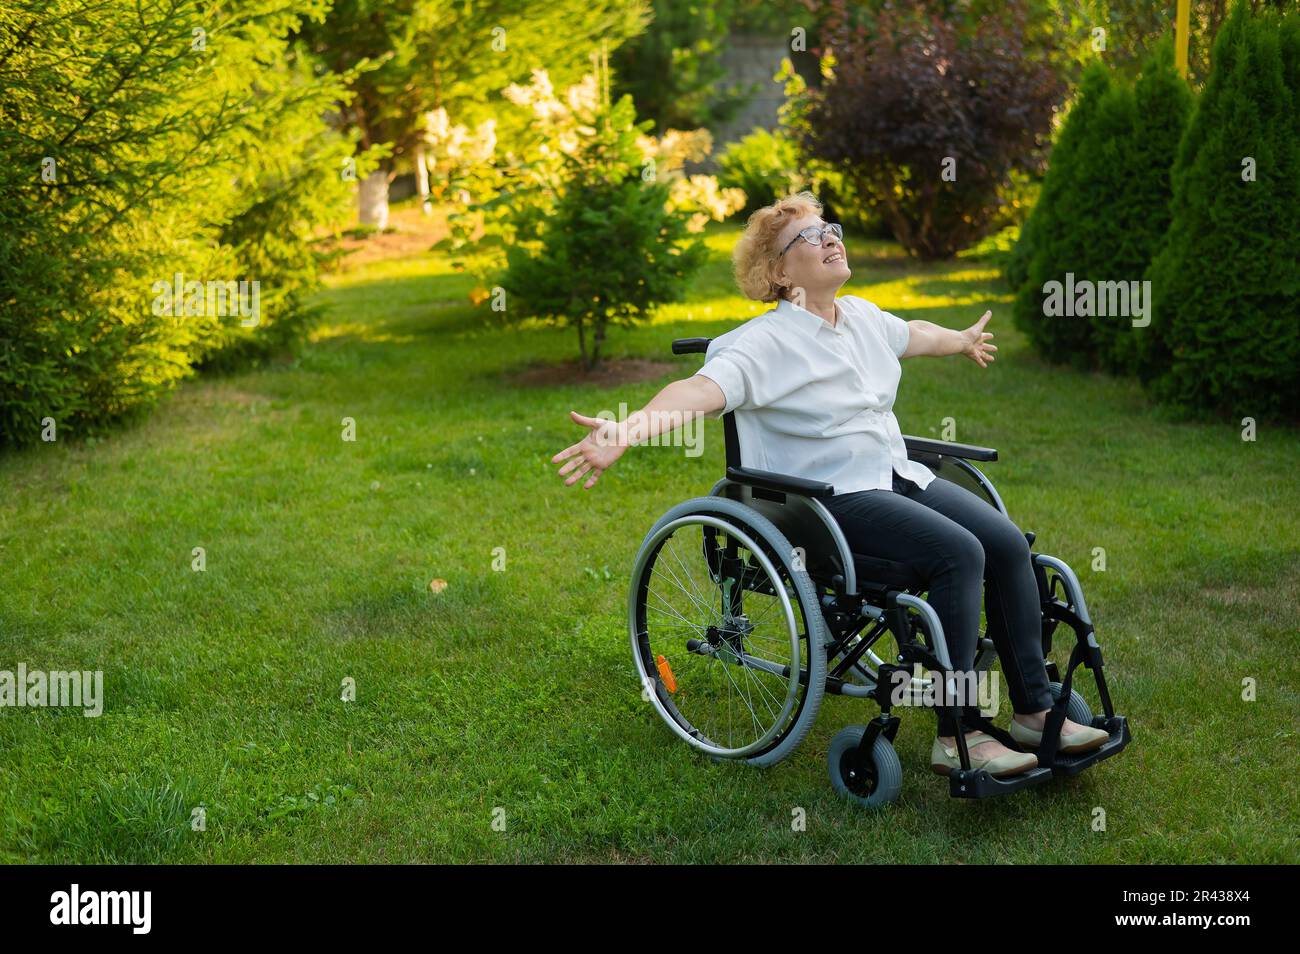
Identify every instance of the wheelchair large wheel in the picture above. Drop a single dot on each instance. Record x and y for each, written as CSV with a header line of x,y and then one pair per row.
x,y
728,636
1076,710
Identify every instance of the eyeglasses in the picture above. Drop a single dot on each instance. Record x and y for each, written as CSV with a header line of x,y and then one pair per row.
x,y
813,235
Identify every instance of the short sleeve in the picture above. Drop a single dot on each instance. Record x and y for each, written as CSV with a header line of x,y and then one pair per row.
x,y
729,376
740,364
896,332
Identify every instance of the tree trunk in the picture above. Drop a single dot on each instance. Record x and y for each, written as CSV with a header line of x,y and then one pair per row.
x,y
897,222
422,180
372,200
598,339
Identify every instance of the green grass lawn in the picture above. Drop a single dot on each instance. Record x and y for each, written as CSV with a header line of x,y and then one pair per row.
x,y
512,694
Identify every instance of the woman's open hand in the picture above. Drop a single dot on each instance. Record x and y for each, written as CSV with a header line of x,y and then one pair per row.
x,y
596,452
976,341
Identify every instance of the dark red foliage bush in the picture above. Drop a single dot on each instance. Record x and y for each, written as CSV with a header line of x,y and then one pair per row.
x,y
915,84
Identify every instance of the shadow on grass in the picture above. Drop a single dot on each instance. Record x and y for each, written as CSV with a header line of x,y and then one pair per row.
x,y
392,613
466,611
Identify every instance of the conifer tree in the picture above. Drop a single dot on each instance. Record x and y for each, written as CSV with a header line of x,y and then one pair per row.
x,y
1225,329
1052,222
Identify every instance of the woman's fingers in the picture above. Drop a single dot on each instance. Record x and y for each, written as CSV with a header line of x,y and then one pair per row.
x,y
566,453
981,352
577,475
583,466
577,461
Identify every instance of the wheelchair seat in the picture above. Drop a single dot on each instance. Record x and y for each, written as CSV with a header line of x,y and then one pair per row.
x,y
878,574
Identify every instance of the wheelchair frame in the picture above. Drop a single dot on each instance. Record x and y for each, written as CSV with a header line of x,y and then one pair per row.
x,y
852,603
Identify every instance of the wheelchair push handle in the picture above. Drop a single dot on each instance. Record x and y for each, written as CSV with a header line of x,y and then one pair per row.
x,y
691,345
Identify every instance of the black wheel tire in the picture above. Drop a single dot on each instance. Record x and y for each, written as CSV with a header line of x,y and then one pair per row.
x,y
883,778
1076,710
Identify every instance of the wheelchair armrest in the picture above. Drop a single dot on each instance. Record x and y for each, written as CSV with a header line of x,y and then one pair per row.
x,y
949,449
691,345
783,483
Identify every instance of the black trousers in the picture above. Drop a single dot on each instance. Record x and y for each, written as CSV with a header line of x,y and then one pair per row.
x,y
960,545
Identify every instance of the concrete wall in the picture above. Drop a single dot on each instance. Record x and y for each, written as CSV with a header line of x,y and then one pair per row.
x,y
754,58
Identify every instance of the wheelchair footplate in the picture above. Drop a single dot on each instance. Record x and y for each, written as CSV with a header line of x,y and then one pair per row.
x,y
980,783
1072,763
977,783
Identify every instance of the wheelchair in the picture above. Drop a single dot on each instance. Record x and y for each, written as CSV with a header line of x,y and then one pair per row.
x,y
747,607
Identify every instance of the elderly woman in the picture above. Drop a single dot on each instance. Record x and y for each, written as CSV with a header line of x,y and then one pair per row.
x,y
813,383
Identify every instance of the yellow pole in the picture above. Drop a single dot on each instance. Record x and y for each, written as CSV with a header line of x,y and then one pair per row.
x,y
1181,32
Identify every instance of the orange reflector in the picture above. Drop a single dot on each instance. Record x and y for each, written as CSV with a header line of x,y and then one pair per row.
x,y
666,673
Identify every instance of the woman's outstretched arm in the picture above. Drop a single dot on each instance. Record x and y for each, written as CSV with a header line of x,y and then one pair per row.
x,y
926,338
606,441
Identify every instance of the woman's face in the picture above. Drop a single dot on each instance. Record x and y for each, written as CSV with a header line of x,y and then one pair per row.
x,y
817,269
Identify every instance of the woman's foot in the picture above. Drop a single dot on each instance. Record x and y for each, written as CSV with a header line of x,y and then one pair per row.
x,y
1027,729
986,753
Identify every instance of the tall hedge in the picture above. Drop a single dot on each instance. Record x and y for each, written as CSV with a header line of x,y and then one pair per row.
x,y
1103,210
1048,246
1161,107
1226,325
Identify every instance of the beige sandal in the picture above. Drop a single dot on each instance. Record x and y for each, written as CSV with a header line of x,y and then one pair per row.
x,y
944,758
1085,739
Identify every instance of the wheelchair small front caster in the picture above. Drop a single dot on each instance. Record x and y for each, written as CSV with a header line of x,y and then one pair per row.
x,y
1076,710
873,781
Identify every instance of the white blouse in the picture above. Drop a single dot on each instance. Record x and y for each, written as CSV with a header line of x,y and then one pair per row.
x,y
815,401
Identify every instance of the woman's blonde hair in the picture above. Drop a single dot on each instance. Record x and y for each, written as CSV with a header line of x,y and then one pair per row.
x,y
755,255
